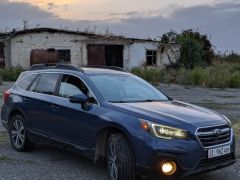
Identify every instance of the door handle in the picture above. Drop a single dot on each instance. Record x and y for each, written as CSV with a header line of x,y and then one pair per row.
x,y
26,100
55,107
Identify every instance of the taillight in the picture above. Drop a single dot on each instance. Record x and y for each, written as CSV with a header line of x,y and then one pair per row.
x,y
6,94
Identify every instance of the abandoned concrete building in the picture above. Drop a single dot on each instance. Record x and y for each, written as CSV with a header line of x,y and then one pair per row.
x,y
45,45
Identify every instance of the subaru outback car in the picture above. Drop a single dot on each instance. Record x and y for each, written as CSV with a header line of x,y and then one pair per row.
x,y
113,116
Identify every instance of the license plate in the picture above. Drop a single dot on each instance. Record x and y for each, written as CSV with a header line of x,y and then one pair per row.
x,y
218,151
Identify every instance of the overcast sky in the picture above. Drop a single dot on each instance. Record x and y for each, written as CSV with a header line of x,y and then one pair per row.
x,y
220,19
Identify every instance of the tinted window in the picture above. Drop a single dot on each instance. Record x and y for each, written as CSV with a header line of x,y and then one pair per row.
x,y
71,85
25,83
47,83
33,86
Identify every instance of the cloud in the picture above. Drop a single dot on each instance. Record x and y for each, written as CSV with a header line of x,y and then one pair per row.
x,y
219,21
12,14
130,13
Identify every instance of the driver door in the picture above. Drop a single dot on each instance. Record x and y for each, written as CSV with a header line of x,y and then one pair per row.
x,y
72,124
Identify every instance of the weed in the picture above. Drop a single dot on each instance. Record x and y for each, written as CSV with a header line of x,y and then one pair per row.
x,y
4,158
223,75
10,74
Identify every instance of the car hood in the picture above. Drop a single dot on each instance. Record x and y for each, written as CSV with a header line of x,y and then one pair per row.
x,y
173,112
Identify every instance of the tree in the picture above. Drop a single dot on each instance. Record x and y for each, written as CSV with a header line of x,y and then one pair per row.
x,y
196,49
191,52
207,50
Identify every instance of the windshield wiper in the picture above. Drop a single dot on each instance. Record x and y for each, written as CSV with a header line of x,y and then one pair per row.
x,y
118,101
152,100
136,101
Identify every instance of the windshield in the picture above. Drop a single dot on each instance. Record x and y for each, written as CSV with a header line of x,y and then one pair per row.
x,y
126,88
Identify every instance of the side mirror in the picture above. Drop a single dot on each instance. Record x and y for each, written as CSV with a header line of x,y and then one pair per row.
x,y
80,99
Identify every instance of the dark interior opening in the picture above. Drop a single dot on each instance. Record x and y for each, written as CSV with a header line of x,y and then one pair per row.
x,y
2,57
105,55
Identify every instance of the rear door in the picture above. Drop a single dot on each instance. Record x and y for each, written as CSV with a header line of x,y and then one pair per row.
x,y
20,93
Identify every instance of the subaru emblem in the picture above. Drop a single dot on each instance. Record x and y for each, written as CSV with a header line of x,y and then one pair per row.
x,y
217,132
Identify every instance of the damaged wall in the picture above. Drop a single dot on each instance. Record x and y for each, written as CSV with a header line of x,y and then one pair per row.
x,y
166,54
21,48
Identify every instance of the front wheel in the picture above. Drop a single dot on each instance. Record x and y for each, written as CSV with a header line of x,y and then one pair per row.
x,y
120,160
18,134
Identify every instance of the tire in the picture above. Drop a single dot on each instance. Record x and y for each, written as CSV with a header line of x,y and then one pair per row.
x,y
18,134
120,160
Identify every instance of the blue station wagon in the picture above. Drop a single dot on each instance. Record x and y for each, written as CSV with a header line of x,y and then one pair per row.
x,y
112,116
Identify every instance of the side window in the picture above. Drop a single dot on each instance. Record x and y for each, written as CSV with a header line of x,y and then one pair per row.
x,y
71,85
25,82
47,83
33,86
151,56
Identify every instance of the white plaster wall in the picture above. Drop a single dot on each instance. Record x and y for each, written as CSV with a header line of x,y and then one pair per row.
x,y
21,46
135,54
171,54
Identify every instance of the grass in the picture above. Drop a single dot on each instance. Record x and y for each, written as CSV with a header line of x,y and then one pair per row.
x,y
236,128
152,75
3,137
4,158
10,74
221,75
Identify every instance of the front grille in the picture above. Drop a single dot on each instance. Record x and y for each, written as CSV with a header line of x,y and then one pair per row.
x,y
206,163
211,136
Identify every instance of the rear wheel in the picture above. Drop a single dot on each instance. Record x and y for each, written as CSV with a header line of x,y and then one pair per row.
x,y
120,160
18,134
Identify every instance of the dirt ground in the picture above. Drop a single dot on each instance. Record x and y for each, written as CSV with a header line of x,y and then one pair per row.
x,y
49,162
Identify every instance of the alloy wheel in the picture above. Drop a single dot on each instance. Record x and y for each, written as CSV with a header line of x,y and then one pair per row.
x,y
112,162
18,134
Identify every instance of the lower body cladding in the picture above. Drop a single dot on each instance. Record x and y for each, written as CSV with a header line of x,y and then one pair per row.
x,y
180,157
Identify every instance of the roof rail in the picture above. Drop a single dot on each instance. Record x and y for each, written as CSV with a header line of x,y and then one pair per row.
x,y
55,66
116,68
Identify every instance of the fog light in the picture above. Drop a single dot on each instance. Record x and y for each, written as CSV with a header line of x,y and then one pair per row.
x,y
169,168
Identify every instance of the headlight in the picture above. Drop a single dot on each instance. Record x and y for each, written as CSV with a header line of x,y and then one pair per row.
x,y
164,132
229,122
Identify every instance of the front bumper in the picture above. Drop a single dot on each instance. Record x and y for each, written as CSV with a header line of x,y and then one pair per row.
x,y
190,156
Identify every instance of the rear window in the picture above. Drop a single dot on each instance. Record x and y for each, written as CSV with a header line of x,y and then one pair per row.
x,y
25,82
47,83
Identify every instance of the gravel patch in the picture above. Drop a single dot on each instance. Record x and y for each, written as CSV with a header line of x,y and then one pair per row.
x,y
225,101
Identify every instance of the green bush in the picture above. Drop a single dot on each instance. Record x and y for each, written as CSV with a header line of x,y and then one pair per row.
x,y
191,52
235,80
1,81
223,75
152,75
10,74
197,76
